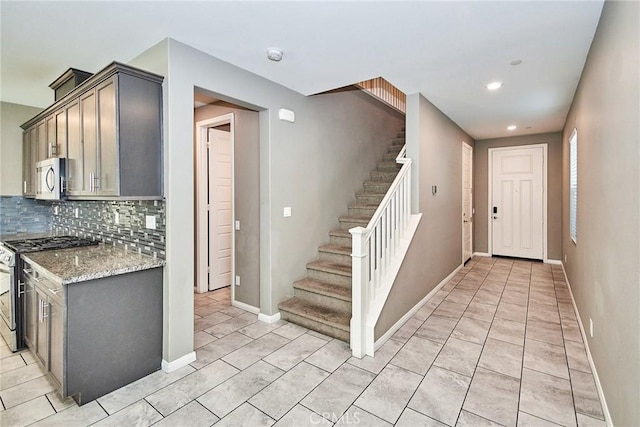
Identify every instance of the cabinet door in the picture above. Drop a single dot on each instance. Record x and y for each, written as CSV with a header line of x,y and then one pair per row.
x,y
26,163
74,150
61,134
56,340
42,329
107,184
42,141
89,128
51,137
31,313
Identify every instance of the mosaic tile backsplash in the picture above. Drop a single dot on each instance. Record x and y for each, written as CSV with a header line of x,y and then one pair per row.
x,y
20,215
97,219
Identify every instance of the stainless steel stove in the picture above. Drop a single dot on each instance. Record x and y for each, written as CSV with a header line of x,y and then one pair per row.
x,y
11,287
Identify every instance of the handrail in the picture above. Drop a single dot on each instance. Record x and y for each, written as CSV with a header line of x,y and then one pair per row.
x,y
373,249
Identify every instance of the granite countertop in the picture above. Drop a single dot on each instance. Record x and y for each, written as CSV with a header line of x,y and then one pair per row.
x,y
91,262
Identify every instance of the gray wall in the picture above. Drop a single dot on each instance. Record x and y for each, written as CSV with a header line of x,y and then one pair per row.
x,y
434,142
554,183
11,117
313,165
247,196
604,266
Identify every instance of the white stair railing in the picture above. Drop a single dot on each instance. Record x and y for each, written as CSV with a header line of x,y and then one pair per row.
x,y
375,258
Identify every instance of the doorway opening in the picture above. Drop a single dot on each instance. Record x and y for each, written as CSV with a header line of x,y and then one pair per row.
x,y
517,201
467,202
215,232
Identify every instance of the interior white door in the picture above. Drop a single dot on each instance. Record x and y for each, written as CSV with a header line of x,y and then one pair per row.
x,y
517,209
220,213
467,202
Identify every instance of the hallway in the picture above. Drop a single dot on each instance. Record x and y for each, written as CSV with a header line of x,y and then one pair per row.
x,y
497,345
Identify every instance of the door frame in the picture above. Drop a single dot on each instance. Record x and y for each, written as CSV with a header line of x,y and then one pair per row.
x,y
545,193
202,252
471,201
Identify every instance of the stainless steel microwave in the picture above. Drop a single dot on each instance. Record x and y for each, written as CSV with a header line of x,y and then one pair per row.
x,y
50,179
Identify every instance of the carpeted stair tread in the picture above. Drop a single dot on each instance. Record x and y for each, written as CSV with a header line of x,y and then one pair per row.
x,y
363,205
336,249
356,219
339,232
323,288
330,267
335,318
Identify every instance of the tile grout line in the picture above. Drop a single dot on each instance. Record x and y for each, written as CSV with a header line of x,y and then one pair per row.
x,y
483,345
524,344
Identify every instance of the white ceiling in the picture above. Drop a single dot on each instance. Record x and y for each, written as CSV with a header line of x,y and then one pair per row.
x,y
445,50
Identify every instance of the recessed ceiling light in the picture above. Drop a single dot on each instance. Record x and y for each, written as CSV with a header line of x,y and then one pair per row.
x,y
494,85
512,127
516,62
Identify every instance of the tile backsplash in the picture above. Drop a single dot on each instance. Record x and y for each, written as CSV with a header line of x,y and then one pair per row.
x,y
21,215
97,219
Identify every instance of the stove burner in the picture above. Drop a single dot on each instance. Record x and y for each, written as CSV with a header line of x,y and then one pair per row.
x,y
46,243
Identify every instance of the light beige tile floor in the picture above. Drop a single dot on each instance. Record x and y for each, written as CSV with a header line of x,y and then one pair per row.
x,y
497,345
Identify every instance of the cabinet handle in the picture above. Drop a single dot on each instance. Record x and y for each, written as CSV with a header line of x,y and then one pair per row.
x,y
96,182
24,185
21,288
46,307
40,306
91,182
54,291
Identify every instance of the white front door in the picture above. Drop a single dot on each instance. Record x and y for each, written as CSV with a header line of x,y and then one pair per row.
x,y
467,202
517,202
220,214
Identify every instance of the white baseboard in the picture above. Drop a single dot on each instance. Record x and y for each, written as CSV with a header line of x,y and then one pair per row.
x,y
603,401
553,261
384,338
246,307
179,362
269,319
481,254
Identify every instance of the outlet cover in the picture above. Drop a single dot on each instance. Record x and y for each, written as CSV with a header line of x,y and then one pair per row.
x,y
591,327
77,212
287,212
116,217
237,225
150,222
237,280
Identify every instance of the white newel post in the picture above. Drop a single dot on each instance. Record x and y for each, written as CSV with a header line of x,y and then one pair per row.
x,y
359,293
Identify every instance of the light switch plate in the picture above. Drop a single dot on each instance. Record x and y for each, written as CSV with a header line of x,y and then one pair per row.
x,y
150,222
116,217
287,212
237,225
77,212
237,280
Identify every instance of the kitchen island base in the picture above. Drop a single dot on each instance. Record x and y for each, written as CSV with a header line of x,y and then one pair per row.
x,y
113,333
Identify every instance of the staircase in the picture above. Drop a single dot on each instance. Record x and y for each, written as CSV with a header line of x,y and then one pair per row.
x,y
322,300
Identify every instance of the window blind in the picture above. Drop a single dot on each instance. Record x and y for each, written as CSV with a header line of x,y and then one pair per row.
x,y
573,185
